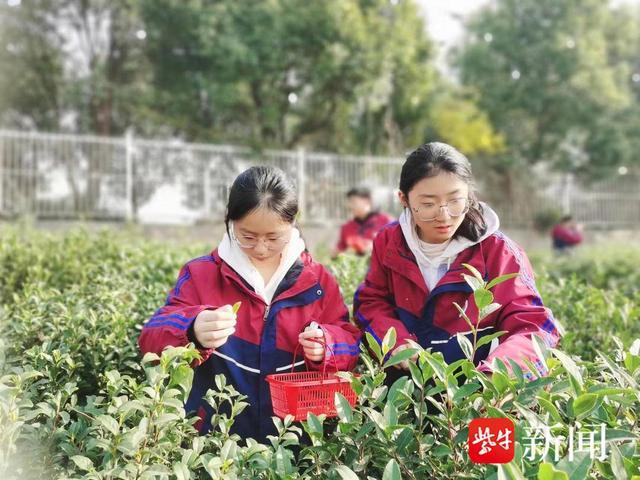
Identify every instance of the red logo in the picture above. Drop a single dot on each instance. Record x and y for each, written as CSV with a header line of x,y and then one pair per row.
x,y
491,440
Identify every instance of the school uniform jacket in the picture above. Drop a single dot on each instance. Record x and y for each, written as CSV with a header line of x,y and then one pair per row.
x,y
355,231
394,294
265,336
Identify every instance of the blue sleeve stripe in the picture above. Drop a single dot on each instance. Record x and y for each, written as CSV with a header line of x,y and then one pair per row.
x,y
377,338
186,276
176,316
537,301
350,353
166,323
176,290
356,295
549,326
362,320
339,351
204,258
181,281
525,274
349,345
541,367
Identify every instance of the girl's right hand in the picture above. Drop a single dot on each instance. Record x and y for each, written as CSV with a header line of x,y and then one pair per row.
x,y
212,328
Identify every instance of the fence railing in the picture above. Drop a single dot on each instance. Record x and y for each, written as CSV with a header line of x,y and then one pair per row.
x,y
58,176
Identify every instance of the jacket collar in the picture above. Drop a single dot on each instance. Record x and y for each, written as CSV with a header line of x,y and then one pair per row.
x,y
399,258
306,279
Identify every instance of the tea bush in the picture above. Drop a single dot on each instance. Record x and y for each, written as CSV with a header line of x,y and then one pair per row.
x,y
595,294
76,400
612,268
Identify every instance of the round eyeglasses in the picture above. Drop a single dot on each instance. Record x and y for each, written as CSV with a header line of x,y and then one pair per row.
x,y
429,211
251,241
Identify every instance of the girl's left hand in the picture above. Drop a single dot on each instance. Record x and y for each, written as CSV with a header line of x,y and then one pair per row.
x,y
314,351
405,364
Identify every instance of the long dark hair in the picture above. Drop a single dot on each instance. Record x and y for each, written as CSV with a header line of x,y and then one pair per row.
x,y
429,160
262,186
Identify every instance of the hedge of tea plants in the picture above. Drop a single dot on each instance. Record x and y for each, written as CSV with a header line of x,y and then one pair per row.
x,y
77,401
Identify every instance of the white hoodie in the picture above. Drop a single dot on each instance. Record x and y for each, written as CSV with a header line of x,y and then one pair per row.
x,y
435,259
233,255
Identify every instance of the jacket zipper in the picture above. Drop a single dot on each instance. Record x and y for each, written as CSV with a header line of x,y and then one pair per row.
x,y
283,296
266,312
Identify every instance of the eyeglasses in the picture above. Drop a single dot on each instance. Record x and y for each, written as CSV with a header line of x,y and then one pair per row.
x,y
429,211
251,241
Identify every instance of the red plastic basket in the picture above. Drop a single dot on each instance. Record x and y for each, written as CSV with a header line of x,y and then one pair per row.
x,y
298,393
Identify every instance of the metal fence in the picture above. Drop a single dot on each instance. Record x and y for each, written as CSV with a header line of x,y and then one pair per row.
x,y
57,176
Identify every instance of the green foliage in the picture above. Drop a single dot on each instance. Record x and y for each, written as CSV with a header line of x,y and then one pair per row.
x,y
542,81
101,82
544,220
595,296
349,271
81,295
347,75
77,402
346,64
552,77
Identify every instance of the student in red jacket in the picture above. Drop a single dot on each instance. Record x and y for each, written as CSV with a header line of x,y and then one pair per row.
x,y
263,263
566,235
358,233
416,266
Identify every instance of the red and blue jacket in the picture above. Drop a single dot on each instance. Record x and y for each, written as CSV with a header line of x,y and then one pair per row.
x,y
565,236
355,231
265,337
394,294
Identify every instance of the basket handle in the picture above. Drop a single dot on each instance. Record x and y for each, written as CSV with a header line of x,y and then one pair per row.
x,y
324,368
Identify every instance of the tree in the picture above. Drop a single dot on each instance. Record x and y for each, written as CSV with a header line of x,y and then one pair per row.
x,y
352,76
32,77
546,74
71,64
349,75
615,137
252,71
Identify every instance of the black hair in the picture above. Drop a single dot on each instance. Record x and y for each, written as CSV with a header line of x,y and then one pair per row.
x,y
262,186
429,160
362,192
566,218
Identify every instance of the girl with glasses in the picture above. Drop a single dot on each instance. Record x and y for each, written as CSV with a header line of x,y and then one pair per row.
x,y
416,265
286,298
